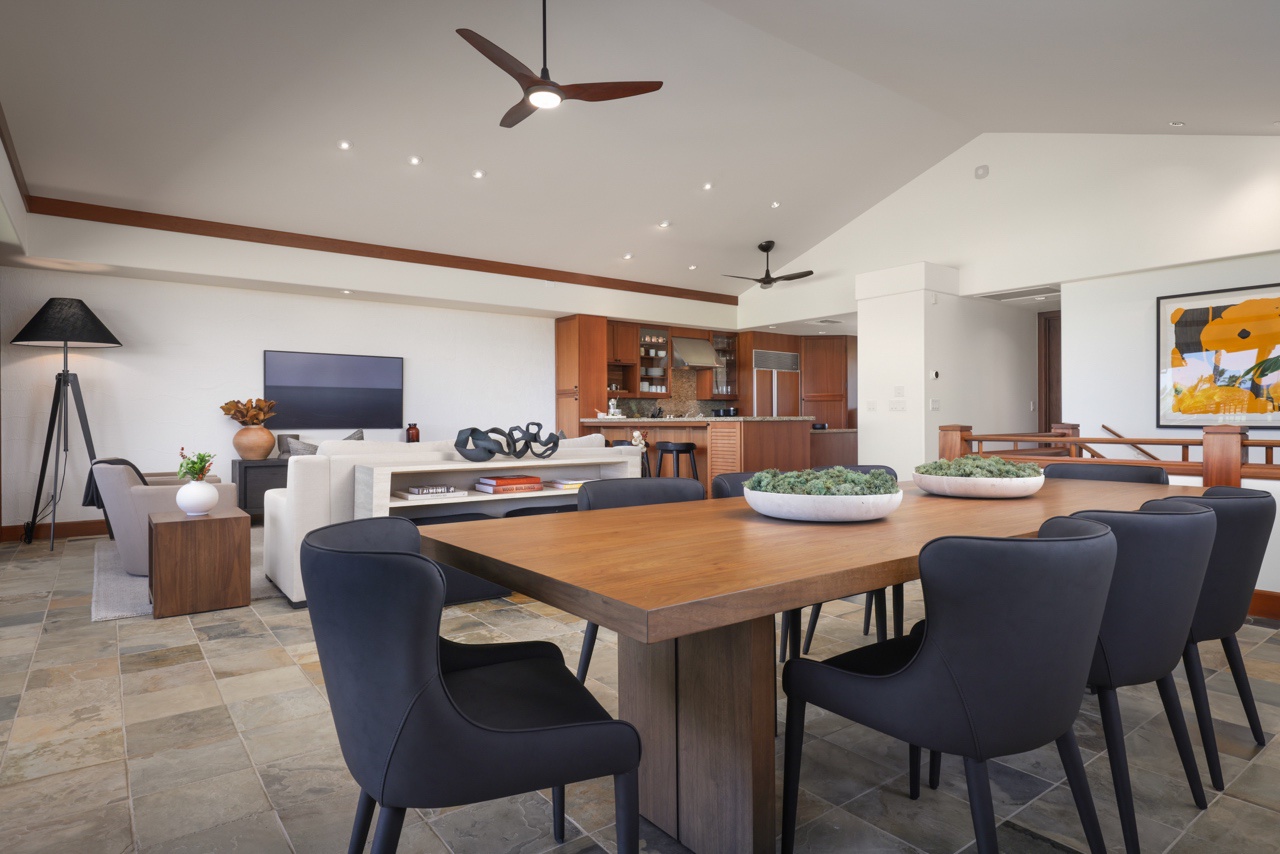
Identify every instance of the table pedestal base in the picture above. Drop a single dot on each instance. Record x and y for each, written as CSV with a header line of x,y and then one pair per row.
x,y
704,706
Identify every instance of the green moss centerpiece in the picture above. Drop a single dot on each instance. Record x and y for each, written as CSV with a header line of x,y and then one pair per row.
x,y
974,476
833,495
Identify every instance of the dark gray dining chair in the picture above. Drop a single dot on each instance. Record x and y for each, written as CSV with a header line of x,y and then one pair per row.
x,y
1119,472
460,585
875,599
996,669
427,723
1162,552
1245,519
629,492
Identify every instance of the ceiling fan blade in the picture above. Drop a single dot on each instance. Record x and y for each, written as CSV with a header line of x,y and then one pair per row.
x,y
791,277
521,111
608,91
501,58
748,278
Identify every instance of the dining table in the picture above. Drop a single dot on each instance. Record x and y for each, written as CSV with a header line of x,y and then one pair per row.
x,y
691,590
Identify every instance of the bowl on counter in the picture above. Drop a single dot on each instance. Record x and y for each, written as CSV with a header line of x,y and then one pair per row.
x,y
823,508
978,487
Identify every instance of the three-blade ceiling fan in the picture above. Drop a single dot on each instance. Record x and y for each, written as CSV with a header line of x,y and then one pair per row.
x,y
766,281
540,91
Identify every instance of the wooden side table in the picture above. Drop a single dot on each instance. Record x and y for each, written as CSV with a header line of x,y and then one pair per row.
x,y
199,563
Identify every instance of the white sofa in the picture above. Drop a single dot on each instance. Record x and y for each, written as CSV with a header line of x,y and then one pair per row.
x,y
321,491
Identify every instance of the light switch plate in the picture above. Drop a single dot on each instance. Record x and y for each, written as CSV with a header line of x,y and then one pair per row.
x,y
897,406
899,391
935,405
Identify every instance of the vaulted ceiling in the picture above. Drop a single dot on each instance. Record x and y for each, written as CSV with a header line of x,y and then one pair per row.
x,y
231,111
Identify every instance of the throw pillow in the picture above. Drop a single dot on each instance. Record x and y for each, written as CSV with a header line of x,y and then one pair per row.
x,y
300,449
357,436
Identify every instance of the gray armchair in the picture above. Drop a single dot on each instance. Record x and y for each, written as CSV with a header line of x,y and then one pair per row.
x,y
128,502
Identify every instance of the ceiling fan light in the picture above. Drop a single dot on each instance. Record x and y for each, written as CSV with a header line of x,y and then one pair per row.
x,y
545,97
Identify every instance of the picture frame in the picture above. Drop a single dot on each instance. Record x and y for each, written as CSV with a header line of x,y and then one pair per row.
x,y
1218,358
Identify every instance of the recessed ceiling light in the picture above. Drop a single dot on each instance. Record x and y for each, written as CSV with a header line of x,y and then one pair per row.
x,y
415,160
666,223
1041,299
822,332
1176,124
346,292
773,327
706,186
693,266
626,257
775,205
344,144
477,173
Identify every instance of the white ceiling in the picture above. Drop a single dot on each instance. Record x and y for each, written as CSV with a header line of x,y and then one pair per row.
x,y
231,111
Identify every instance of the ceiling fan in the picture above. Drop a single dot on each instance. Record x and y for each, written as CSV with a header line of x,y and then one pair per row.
x,y
540,91
766,281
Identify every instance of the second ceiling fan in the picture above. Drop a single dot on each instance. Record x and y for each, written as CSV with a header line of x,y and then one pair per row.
x,y
540,91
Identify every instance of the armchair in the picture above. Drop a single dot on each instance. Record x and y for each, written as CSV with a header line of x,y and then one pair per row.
x,y
128,502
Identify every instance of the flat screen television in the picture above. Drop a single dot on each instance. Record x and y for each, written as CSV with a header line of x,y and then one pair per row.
x,y
314,391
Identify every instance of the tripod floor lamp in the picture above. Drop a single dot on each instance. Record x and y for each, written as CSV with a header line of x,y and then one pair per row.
x,y
64,323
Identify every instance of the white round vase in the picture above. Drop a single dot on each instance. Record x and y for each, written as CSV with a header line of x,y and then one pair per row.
x,y
823,508
197,498
978,487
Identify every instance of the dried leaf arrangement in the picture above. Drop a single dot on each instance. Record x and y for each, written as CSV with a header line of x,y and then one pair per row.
x,y
251,413
195,466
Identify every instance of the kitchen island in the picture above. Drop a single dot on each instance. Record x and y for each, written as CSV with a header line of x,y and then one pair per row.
x,y
723,444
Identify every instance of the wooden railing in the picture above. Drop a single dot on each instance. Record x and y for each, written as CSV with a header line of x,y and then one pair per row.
x,y
1226,451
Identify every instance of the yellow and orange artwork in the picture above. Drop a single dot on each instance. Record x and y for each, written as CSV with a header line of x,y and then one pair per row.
x,y
1223,357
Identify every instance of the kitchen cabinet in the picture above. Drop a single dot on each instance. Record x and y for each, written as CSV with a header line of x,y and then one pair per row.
x,y
824,379
624,343
655,362
581,375
721,383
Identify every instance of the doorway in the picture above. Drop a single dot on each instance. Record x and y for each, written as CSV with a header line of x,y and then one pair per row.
x,y
1050,369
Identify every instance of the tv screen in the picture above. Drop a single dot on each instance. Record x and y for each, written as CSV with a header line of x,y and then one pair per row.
x,y
314,391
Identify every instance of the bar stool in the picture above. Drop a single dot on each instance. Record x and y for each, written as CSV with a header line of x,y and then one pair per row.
x,y
644,454
676,450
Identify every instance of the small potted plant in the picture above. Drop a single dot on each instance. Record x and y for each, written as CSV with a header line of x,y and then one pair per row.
x,y
252,441
833,495
974,476
197,496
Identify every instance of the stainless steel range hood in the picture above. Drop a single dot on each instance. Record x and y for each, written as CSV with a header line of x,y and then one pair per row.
x,y
693,353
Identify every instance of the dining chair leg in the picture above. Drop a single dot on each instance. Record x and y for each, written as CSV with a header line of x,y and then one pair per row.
x,y
1235,661
913,773
935,768
794,744
1113,729
789,647
1204,717
588,647
360,828
1069,753
882,619
1178,726
899,594
814,613
866,612
626,811
785,639
980,806
557,813
386,839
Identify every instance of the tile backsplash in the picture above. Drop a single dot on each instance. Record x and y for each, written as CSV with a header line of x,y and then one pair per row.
x,y
683,400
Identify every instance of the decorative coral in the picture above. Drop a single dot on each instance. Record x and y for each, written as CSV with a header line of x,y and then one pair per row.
x,y
251,413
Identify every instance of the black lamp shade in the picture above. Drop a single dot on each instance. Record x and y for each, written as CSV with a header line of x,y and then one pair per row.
x,y
63,321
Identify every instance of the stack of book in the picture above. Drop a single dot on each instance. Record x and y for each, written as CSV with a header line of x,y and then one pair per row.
x,y
431,493
565,484
510,483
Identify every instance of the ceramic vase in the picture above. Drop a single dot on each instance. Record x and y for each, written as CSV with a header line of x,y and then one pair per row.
x,y
197,498
253,443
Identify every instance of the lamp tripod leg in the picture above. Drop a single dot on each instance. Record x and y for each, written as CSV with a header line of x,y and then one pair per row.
x,y
29,529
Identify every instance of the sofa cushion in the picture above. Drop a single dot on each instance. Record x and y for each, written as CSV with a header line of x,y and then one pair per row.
x,y
594,440
357,436
299,448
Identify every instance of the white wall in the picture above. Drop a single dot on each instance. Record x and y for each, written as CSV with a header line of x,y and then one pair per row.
x,y
891,356
189,348
1109,357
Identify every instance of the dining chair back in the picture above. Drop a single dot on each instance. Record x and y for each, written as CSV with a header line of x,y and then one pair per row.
x,y
426,723
461,586
1107,471
637,492
730,485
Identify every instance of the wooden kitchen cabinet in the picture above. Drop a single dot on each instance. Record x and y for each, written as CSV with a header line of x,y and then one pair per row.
x,y
824,379
624,343
581,372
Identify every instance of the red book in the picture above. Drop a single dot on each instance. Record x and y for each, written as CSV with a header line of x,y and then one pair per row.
x,y
509,479
504,490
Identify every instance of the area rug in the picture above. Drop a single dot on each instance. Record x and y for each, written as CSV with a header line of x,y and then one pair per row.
x,y
117,594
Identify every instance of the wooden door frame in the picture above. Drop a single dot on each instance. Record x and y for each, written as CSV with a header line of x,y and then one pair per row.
x,y
1042,366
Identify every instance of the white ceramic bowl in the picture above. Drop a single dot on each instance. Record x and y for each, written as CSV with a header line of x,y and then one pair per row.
x,y
979,487
823,508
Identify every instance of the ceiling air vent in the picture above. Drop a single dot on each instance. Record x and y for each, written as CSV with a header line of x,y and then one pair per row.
x,y
825,321
772,360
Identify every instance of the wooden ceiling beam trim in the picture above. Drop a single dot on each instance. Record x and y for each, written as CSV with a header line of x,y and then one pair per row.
x,y
250,234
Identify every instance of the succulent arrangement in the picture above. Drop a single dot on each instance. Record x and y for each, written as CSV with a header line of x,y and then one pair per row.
x,y
836,481
976,466
251,413
194,466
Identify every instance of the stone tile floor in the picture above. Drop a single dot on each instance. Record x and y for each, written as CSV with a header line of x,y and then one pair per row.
x,y
212,733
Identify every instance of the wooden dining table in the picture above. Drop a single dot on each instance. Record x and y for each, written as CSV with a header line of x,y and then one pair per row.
x,y
692,590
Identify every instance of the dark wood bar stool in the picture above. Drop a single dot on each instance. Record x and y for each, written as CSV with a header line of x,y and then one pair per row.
x,y
644,454
676,450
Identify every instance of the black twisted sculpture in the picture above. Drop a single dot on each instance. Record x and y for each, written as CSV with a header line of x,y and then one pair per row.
x,y
480,446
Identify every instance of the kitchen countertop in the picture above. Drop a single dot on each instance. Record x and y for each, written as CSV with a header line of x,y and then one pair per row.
x,y
838,430
684,420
